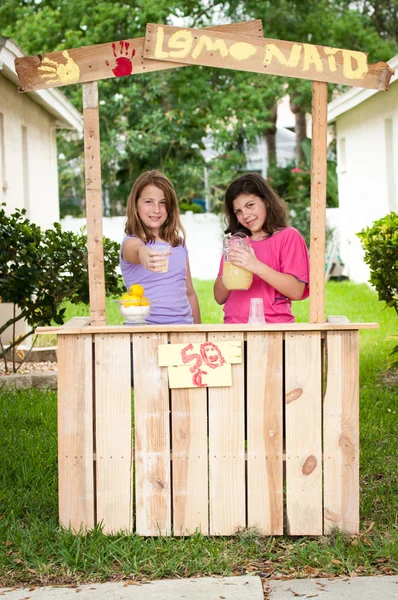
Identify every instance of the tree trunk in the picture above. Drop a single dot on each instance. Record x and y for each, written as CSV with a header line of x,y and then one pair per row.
x,y
300,129
270,138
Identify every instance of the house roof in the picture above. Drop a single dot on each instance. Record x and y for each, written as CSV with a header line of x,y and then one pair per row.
x,y
51,99
355,96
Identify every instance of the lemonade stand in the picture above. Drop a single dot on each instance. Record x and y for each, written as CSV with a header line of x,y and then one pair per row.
x,y
232,425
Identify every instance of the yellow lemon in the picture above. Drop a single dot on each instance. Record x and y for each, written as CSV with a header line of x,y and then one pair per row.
x,y
131,301
145,301
125,296
136,290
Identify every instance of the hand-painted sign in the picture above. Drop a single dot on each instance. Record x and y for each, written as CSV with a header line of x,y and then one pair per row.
x,y
264,55
200,365
93,63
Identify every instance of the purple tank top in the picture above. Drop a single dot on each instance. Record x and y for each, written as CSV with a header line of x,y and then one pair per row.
x,y
167,292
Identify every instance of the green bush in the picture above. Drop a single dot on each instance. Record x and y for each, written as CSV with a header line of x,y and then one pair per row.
x,y
380,242
40,269
185,207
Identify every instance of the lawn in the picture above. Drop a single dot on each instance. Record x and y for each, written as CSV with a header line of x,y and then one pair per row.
x,y
35,550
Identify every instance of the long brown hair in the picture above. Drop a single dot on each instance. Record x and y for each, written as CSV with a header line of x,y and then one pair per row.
x,y
253,183
171,231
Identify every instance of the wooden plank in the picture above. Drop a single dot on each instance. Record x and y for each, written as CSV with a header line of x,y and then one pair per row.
x,y
318,201
152,437
341,433
102,61
189,447
182,354
265,55
226,450
76,322
265,432
284,327
182,377
75,432
113,432
92,160
303,433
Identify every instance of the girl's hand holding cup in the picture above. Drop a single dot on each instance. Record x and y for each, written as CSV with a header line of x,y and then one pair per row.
x,y
156,258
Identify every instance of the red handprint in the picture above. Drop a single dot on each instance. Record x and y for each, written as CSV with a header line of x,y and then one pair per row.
x,y
124,65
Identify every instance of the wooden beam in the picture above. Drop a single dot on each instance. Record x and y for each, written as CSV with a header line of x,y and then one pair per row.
x,y
265,55
284,327
92,160
318,201
102,61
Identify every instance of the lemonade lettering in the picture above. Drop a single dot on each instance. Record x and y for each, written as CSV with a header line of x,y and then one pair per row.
x,y
323,59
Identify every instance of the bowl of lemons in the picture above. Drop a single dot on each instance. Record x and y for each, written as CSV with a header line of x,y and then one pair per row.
x,y
134,306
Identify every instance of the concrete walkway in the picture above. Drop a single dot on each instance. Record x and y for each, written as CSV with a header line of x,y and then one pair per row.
x,y
205,588
345,588
228,588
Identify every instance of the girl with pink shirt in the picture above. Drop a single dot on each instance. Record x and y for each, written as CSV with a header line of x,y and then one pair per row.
x,y
278,255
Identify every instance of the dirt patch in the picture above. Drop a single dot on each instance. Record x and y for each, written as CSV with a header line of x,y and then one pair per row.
x,y
28,368
389,378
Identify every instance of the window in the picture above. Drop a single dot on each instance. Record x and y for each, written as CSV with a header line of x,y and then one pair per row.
x,y
342,156
25,169
390,175
3,179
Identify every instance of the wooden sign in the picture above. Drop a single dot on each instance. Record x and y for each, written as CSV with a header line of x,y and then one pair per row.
x,y
102,61
200,365
265,55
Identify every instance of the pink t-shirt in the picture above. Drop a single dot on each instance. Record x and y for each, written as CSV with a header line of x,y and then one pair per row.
x,y
286,252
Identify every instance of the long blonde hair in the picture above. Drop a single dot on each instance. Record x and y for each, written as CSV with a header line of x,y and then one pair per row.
x,y
171,231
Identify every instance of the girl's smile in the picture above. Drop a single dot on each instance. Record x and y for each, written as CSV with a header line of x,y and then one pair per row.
x,y
251,212
151,208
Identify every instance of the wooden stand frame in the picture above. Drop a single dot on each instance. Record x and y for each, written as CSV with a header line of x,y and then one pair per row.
x,y
208,459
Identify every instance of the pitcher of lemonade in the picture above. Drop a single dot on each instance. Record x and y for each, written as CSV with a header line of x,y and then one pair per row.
x,y
236,278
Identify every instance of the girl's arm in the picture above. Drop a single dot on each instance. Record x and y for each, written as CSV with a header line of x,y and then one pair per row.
x,y
284,283
135,251
192,297
221,293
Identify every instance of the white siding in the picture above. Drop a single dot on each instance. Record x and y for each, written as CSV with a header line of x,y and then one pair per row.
x,y
367,135
28,164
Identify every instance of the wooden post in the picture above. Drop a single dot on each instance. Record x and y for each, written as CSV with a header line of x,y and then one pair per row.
x,y
92,159
318,201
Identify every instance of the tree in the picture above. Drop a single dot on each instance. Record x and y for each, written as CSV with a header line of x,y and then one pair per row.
x,y
380,243
159,120
39,270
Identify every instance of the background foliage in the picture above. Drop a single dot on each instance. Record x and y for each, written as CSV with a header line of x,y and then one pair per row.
x,y
159,120
380,242
41,269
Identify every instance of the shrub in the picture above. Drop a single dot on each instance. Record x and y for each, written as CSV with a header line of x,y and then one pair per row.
x,y
40,269
193,206
380,242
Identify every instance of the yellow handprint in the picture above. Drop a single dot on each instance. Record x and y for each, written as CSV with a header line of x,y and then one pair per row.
x,y
55,72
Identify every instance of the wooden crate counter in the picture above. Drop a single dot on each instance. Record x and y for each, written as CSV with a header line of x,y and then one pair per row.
x,y
282,439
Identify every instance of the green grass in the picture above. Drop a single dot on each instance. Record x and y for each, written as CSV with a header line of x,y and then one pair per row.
x,y
33,548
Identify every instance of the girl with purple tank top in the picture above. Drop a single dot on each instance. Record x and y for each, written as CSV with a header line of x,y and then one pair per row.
x,y
153,216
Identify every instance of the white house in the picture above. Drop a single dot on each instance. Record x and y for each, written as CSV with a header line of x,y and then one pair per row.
x,y
28,149
366,124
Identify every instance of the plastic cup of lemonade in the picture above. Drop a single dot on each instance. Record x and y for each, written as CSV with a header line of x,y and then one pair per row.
x,y
162,248
236,278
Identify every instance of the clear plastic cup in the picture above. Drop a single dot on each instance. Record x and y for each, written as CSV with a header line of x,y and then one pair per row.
x,y
162,248
256,313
